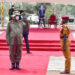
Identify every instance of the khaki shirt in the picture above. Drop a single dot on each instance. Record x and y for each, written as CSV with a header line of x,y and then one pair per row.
x,y
65,30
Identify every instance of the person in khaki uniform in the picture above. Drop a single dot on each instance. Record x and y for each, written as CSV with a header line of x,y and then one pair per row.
x,y
65,43
14,39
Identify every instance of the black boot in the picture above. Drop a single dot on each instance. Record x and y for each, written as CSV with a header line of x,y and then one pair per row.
x,y
17,66
13,66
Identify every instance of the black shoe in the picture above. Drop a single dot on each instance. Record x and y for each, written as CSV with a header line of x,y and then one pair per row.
x,y
29,52
12,67
65,72
17,66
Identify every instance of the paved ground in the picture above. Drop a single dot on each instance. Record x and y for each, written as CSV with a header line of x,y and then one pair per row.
x,y
55,69
57,63
73,34
57,73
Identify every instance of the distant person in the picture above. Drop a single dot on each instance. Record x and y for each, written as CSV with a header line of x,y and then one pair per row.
x,y
14,36
65,44
53,17
11,10
41,15
53,20
25,31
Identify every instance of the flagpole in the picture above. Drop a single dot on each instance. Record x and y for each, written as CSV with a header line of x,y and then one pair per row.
x,y
2,13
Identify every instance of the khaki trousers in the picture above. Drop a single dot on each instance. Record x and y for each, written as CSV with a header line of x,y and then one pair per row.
x,y
67,54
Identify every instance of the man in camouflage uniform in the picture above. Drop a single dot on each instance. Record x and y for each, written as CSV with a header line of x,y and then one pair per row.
x,y
14,39
65,44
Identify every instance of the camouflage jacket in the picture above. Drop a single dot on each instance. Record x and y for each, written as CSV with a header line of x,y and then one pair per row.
x,y
14,33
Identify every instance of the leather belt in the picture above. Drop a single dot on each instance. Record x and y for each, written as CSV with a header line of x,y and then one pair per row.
x,y
62,37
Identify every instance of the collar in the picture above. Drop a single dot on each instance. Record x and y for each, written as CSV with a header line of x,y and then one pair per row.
x,y
15,21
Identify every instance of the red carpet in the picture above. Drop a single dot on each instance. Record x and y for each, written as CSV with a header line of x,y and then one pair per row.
x,y
33,64
41,39
41,34
45,42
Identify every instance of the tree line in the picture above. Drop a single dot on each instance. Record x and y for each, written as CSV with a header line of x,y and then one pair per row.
x,y
30,8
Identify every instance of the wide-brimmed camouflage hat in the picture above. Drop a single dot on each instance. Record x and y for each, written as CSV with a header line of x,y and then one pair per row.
x,y
16,13
12,16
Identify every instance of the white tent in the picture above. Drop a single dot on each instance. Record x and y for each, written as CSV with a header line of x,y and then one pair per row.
x,y
43,1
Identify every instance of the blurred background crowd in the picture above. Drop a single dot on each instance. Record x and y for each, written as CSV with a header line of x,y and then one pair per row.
x,y
32,14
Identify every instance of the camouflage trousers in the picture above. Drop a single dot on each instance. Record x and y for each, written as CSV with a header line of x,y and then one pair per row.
x,y
15,53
